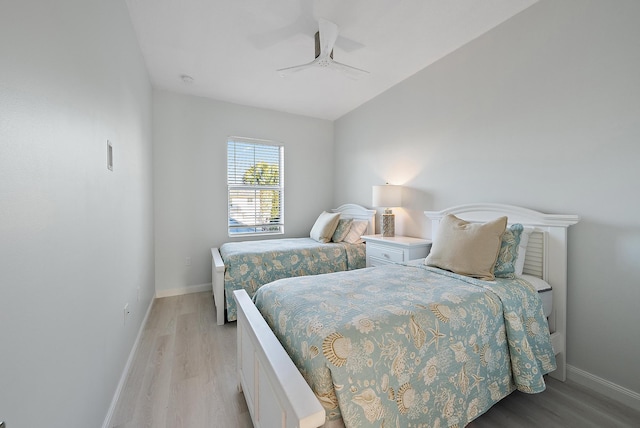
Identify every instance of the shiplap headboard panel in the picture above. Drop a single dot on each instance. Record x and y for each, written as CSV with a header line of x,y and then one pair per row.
x,y
534,263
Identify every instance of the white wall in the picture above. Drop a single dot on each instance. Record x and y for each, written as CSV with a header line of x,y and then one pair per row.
x,y
76,240
544,112
190,188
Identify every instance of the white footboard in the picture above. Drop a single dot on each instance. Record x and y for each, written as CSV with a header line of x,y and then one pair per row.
x,y
217,281
276,393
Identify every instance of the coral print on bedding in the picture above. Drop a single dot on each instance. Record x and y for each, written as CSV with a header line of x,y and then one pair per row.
x,y
410,345
249,265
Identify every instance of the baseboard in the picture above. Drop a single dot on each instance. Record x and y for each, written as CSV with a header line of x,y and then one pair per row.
x,y
184,290
605,387
125,372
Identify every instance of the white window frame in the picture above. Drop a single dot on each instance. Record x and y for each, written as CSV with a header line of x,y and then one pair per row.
x,y
248,213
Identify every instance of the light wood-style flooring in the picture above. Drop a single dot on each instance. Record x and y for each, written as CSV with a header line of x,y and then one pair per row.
x,y
183,375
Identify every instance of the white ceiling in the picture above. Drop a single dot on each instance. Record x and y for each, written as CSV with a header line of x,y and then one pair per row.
x,y
232,48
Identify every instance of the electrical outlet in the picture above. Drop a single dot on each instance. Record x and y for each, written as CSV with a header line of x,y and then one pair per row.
x,y
187,261
127,312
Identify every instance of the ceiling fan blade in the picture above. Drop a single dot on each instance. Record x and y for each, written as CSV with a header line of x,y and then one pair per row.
x,y
352,72
284,72
328,36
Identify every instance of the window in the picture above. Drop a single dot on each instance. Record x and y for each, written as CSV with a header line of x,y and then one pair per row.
x,y
255,186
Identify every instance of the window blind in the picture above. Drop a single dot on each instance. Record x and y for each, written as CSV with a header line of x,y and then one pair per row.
x,y
255,186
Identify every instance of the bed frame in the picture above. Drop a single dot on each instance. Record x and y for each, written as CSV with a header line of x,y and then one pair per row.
x,y
353,211
278,396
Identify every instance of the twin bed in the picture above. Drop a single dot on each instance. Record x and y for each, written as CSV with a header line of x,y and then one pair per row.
x,y
248,265
409,344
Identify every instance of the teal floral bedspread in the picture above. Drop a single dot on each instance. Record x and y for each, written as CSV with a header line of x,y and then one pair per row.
x,y
251,264
409,345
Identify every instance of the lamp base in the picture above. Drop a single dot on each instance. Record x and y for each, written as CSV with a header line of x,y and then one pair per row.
x,y
388,225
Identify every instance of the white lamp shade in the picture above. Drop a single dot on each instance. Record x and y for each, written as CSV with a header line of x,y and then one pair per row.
x,y
387,196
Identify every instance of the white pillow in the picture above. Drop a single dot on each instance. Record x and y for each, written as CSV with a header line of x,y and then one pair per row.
x,y
358,228
522,250
325,225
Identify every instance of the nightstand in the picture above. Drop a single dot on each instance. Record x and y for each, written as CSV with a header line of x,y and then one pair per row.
x,y
397,249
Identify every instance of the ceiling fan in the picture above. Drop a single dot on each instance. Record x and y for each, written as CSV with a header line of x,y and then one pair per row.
x,y
325,40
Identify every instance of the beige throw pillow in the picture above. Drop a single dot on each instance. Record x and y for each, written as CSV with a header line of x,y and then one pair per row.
x,y
466,248
358,228
325,225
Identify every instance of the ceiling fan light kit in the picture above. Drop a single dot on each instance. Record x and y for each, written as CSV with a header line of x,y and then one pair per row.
x,y
325,39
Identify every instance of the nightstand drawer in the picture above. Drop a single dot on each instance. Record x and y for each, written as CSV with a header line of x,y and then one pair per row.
x,y
396,249
385,253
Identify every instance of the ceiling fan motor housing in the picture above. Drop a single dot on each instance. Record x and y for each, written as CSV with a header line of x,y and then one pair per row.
x,y
318,46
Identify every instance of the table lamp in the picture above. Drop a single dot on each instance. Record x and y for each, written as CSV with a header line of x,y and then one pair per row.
x,y
387,196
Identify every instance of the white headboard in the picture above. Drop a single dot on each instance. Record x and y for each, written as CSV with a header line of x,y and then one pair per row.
x,y
546,255
536,262
358,212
